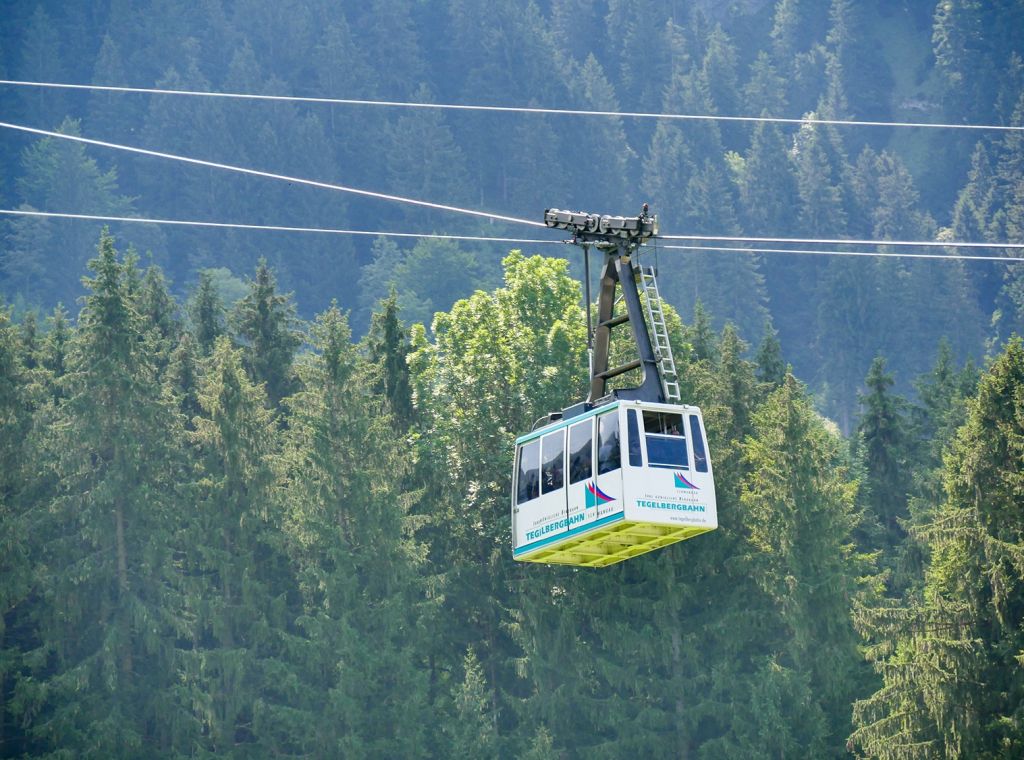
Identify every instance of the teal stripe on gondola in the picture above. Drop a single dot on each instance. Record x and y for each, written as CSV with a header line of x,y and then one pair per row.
x,y
574,532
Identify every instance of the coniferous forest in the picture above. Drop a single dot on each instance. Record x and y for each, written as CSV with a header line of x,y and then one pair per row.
x,y
255,486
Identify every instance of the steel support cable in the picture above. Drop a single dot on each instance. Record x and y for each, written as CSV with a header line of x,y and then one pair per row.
x,y
268,227
509,109
487,214
474,238
875,254
271,175
841,241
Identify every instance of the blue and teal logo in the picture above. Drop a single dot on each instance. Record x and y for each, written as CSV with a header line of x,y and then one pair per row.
x,y
596,496
683,483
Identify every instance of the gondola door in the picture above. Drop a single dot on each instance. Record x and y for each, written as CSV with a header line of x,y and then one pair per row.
x,y
581,472
604,496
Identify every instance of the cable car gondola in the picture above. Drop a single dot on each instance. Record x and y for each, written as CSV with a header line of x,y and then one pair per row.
x,y
623,473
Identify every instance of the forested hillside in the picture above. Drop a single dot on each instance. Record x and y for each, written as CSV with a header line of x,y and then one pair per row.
x,y
254,486
956,61
215,543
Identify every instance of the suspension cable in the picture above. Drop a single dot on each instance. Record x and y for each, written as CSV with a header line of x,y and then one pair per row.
x,y
842,241
509,109
483,238
487,214
272,175
269,227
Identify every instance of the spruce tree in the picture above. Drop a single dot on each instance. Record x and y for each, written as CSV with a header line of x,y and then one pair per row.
x,y
206,312
44,260
55,347
236,576
472,731
389,347
267,326
949,657
882,431
348,531
770,367
801,513
103,669
16,562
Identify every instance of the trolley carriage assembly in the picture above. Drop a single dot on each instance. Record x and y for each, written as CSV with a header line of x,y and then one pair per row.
x,y
624,473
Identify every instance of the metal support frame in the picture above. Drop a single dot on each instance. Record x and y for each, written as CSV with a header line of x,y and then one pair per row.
x,y
618,271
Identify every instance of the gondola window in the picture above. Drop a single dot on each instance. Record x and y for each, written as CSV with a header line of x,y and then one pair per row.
x,y
581,462
528,478
609,456
666,445
553,462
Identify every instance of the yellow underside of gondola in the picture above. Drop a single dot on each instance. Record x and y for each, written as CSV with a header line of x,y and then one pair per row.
x,y
606,546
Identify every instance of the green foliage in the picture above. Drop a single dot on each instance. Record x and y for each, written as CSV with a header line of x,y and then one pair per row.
x,y
883,436
206,312
770,368
427,278
106,624
187,571
266,323
949,657
334,579
388,344
801,514
348,531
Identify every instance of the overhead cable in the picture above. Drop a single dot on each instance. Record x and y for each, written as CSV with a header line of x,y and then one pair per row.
x,y
475,238
487,214
268,227
818,252
271,175
841,241
509,109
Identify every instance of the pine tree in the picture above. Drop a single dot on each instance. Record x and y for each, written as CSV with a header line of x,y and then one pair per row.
x,y
348,531
801,514
473,732
389,347
433,165
949,657
719,75
182,377
765,91
962,56
770,367
701,336
818,184
29,339
206,313
160,312
55,348
236,577
884,447
41,61
103,668
16,524
881,428
110,115
265,322
768,190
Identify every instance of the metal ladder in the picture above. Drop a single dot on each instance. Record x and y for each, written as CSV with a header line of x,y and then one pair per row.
x,y
659,332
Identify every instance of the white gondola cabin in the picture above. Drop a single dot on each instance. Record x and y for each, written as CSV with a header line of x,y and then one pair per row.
x,y
615,482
